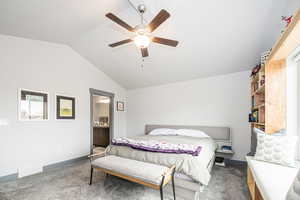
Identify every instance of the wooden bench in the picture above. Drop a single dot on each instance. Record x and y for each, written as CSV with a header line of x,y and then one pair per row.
x,y
147,174
267,181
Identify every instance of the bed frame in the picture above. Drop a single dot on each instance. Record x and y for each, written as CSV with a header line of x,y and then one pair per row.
x,y
190,189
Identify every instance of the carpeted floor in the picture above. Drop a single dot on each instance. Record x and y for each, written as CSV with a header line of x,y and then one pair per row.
x,y
71,183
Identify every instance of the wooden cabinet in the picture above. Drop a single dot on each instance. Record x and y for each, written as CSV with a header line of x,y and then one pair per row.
x,y
101,136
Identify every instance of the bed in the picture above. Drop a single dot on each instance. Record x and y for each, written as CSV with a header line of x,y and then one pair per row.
x,y
192,172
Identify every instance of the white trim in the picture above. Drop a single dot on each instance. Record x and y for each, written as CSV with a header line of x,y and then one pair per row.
x,y
19,106
55,108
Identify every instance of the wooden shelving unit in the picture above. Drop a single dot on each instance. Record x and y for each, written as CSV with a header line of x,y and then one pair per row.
x,y
276,77
258,98
258,123
269,99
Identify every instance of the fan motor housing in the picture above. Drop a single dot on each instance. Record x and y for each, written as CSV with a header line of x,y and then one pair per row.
x,y
142,8
141,29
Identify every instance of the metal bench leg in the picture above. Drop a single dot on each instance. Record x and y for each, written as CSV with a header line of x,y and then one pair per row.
x,y
173,186
91,176
161,188
161,193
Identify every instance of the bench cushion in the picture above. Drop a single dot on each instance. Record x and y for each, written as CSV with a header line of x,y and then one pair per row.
x,y
147,172
272,180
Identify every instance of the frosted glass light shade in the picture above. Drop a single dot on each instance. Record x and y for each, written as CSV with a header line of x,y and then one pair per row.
x,y
142,41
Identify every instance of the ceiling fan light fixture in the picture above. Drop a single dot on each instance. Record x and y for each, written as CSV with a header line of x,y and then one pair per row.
x,y
142,41
143,32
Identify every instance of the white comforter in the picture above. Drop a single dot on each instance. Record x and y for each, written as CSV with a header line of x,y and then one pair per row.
x,y
196,167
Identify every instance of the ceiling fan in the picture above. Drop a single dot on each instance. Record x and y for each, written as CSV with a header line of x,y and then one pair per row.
x,y
143,32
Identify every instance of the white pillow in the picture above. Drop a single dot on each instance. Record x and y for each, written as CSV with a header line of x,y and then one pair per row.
x,y
294,192
192,133
279,149
163,131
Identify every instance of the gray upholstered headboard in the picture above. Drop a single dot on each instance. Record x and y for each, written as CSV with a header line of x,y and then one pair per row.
x,y
217,133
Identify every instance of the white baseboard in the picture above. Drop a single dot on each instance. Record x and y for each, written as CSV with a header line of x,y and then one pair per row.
x,y
29,170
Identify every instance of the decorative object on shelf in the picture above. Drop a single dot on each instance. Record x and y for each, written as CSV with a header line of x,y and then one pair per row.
x,y
252,101
286,20
252,118
262,80
255,86
264,57
65,107
33,105
255,115
120,106
225,148
255,70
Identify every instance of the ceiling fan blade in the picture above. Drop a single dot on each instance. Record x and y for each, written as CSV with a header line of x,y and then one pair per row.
x,y
120,42
119,21
144,52
164,41
162,16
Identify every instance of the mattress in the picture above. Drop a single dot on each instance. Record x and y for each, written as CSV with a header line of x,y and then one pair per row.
x,y
183,176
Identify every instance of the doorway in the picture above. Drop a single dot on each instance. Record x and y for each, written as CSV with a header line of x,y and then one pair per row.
x,y
102,118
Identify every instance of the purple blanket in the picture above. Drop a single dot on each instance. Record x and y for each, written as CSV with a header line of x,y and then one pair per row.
x,y
158,146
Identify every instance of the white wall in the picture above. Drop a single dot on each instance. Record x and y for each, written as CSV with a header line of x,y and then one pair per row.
x,y
26,147
215,101
291,7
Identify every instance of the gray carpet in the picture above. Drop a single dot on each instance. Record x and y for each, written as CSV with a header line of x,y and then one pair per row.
x,y
70,183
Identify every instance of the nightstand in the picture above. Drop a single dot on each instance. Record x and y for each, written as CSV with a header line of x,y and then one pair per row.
x,y
221,155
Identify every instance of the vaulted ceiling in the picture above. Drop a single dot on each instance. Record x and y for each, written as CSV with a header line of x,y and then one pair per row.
x,y
216,37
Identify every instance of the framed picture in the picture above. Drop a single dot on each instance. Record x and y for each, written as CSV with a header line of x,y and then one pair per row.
x,y
120,106
65,107
33,105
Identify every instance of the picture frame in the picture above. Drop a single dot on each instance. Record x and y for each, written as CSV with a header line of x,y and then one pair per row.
x,y
33,105
120,106
65,107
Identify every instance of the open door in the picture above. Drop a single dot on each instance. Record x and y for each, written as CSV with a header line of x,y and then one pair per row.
x,y
102,118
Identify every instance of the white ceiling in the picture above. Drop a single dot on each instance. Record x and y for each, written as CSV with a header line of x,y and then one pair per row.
x,y
216,37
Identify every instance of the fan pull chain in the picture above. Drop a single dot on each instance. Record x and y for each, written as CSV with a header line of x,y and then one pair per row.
x,y
143,61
